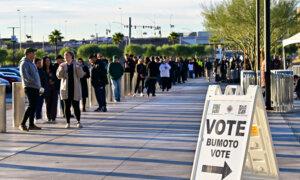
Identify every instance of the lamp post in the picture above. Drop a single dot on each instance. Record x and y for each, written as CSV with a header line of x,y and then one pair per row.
x,y
267,43
20,25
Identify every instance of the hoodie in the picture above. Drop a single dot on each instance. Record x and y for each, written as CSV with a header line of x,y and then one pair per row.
x,y
115,70
29,74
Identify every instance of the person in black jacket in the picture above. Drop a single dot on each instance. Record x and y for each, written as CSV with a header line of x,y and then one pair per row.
x,y
141,74
129,66
51,95
99,81
153,71
297,85
44,80
84,86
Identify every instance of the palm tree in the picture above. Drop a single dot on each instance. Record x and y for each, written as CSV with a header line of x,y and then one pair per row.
x,y
173,37
54,38
117,38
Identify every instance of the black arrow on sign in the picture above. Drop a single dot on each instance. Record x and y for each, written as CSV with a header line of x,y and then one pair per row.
x,y
225,171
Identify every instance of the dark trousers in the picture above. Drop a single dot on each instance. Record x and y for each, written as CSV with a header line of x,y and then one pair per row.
x,y
51,103
151,86
165,83
83,103
100,95
191,73
32,95
137,86
39,107
67,104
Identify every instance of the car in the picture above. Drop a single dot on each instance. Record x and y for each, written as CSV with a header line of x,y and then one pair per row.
x,y
10,78
6,83
10,69
9,73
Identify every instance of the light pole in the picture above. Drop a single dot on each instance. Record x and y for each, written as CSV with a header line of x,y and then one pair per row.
x,y
121,16
13,39
31,24
267,53
20,24
66,21
25,27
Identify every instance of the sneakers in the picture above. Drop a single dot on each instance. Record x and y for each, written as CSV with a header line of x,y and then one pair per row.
x,y
134,95
78,125
34,127
104,109
142,95
23,128
67,126
97,110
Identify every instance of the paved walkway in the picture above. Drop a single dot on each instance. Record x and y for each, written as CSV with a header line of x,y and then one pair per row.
x,y
139,138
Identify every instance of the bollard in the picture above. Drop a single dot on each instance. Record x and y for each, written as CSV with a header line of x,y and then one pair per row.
x,y
127,84
18,105
247,79
282,89
133,83
123,86
2,108
92,96
109,93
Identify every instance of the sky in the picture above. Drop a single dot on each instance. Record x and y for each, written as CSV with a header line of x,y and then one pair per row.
x,y
78,19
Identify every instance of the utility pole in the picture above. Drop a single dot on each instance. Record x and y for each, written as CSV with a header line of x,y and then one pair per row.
x,y
257,40
13,39
20,24
267,43
129,35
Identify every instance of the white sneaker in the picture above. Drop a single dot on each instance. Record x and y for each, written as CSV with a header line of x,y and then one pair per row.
x,y
134,95
67,126
78,125
142,95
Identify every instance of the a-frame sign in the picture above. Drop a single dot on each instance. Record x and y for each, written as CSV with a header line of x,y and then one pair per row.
x,y
234,140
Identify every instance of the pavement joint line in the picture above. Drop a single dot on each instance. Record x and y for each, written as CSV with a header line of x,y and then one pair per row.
x,y
149,140
73,131
290,126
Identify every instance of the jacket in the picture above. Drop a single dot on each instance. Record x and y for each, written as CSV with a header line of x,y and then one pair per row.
x,y
62,74
115,70
29,74
164,69
141,70
99,74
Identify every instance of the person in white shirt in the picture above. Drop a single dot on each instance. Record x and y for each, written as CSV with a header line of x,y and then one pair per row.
x,y
164,69
191,69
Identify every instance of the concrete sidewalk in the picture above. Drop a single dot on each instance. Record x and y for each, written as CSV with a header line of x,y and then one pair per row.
x,y
139,138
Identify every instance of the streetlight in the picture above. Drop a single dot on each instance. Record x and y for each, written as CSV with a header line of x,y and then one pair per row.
x,y
121,16
66,21
20,24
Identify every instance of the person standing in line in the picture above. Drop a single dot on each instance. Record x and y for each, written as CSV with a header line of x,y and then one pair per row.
x,y
84,85
44,82
208,67
141,74
129,66
191,69
99,80
32,86
51,95
152,77
164,69
59,60
70,73
115,71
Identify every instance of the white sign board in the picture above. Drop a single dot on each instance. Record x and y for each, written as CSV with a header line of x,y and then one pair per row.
x,y
224,135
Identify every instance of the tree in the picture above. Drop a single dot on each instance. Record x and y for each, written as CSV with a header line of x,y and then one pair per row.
x,y
166,50
109,50
183,50
54,38
117,38
173,37
233,23
198,50
150,50
3,54
86,50
134,49
65,49
40,53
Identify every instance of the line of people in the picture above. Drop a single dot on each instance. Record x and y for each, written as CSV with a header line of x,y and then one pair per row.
x,y
67,80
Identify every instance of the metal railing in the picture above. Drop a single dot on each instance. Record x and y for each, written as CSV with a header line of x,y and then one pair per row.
x,y
282,89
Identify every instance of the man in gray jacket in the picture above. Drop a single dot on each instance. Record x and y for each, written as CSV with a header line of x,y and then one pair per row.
x,y
32,86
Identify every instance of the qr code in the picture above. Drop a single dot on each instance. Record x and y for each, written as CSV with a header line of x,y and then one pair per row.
x,y
242,109
216,108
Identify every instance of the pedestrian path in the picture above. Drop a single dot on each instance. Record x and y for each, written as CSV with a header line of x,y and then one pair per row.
x,y
139,138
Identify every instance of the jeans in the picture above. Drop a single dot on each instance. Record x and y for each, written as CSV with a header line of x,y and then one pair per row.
x,y
116,87
51,103
39,107
32,95
100,95
75,104
191,73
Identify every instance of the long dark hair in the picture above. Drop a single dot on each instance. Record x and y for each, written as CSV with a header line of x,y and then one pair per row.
x,y
44,63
